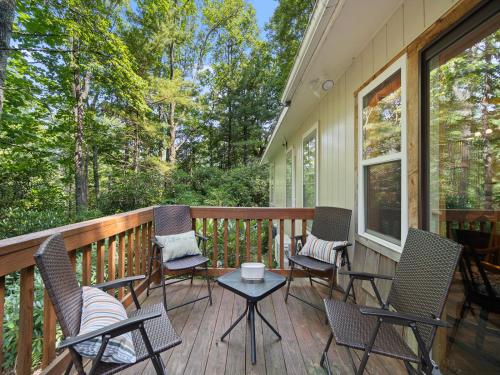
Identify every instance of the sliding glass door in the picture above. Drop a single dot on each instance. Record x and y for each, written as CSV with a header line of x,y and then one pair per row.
x,y
461,155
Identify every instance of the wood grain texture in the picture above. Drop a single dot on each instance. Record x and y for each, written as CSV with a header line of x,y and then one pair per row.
x,y
112,260
24,343
100,261
282,244
237,245
87,265
2,312
121,261
225,243
49,331
215,243
259,240
247,240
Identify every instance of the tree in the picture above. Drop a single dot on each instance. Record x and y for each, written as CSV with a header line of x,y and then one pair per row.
x,y
7,11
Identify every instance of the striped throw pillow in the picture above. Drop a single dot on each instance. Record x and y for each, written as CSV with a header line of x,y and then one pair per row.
x,y
100,310
325,251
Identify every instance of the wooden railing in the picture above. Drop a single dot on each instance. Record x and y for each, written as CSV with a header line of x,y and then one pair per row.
x,y
116,246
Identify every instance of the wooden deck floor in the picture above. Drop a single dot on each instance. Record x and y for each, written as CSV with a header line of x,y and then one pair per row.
x,y
302,328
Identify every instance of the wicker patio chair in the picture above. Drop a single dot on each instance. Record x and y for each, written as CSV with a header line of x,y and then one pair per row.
x,y
481,279
416,300
175,220
330,224
152,332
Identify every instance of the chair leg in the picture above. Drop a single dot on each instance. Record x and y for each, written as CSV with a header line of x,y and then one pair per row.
x,y
208,284
163,287
150,268
192,275
349,269
332,282
368,349
292,265
325,352
310,278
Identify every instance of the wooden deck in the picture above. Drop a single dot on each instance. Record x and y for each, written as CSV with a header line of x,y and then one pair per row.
x,y
302,328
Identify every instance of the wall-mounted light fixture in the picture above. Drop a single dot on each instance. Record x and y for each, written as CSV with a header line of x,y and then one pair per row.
x,y
327,84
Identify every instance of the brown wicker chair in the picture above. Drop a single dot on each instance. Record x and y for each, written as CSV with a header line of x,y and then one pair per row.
x,y
330,224
417,297
174,220
151,329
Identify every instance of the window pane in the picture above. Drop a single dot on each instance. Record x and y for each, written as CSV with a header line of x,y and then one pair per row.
x,y
463,196
289,175
383,200
382,118
309,171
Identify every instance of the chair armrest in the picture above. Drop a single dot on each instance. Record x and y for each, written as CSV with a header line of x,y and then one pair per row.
x,y
340,247
490,267
365,275
112,330
118,283
402,318
201,237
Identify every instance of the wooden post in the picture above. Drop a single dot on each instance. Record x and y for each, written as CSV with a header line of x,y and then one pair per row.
x,y
204,229
137,251
130,252
144,233
49,331
259,240
112,260
282,243
292,240
225,242
121,262
24,343
87,265
215,243
247,240
2,309
100,261
237,255
270,243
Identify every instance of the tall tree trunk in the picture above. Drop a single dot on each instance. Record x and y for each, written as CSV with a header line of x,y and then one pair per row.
x,y
7,11
173,134
95,171
80,93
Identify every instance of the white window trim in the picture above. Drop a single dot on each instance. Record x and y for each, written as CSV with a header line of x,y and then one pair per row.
x,y
313,128
292,150
399,64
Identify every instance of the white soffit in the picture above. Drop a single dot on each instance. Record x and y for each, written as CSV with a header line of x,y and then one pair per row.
x,y
344,29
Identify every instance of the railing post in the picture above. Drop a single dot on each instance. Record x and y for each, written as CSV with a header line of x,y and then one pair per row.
x,y
225,242
49,331
24,343
121,262
270,243
215,243
2,310
87,265
237,255
100,261
282,244
247,240
259,240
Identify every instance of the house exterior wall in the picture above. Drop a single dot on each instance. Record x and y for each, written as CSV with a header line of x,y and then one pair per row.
x,y
335,118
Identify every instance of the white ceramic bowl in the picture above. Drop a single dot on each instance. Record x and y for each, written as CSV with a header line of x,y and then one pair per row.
x,y
252,271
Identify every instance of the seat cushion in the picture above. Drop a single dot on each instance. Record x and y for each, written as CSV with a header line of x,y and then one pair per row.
x,y
353,329
175,246
185,262
326,251
101,310
160,332
308,262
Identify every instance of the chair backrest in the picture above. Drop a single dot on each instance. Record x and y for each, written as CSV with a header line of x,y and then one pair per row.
x,y
60,281
172,220
331,223
423,277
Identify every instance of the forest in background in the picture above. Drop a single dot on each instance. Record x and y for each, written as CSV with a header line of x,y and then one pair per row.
x,y
107,106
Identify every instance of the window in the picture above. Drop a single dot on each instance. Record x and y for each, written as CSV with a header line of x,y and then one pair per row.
x,y
460,182
290,177
309,168
382,207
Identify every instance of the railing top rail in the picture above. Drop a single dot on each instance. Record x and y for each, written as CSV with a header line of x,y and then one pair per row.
x,y
17,252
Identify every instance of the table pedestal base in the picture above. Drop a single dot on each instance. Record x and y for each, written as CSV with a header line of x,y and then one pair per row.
x,y
251,308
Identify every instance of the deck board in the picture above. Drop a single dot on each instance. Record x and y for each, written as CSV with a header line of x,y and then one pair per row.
x,y
303,330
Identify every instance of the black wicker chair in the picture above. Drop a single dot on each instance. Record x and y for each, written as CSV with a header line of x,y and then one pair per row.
x,y
417,297
151,329
174,220
481,279
330,224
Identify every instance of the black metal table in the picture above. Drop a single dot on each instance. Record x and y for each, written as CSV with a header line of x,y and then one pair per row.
x,y
252,292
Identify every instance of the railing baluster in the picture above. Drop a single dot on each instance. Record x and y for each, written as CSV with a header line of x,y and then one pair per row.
x,y
72,259
237,255
112,260
121,262
130,252
100,261
193,225
304,230
2,311
87,265
270,243
24,343
144,233
259,240
204,232
215,243
292,240
247,240
282,243
49,331
225,242
137,251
